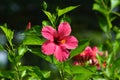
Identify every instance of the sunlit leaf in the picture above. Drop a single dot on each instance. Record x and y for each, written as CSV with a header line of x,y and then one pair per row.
x,y
115,46
9,34
82,77
99,7
45,23
32,72
114,3
116,29
118,36
81,73
22,49
23,73
50,16
67,69
99,78
46,74
65,10
109,61
33,40
81,70
37,71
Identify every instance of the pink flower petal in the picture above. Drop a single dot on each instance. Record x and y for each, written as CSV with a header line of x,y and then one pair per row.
x,y
48,32
61,53
64,29
76,63
88,49
95,49
91,52
48,48
71,42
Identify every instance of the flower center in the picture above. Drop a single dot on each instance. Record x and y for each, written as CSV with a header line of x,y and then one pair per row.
x,y
57,41
62,41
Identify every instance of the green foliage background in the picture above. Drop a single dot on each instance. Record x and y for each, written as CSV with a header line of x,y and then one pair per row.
x,y
93,23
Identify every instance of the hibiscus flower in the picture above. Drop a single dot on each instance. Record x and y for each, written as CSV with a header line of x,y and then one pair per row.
x,y
59,42
88,55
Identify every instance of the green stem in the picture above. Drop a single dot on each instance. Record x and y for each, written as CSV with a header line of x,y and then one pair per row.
x,y
62,71
109,21
14,62
116,13
108,34
104,4
16,65
17,73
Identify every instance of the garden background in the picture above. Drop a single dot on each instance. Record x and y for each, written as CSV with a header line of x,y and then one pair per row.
x,y
18,13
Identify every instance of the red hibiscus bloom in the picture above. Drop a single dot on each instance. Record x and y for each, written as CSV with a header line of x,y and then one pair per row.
x,y
89,54
58,42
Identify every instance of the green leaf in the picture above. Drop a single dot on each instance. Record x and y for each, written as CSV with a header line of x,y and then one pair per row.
x,y
65,10
38,52
118,36
10,58
114,3
46,74
45,23
103,24
1,47
116,63
115,66
22,49
7,74
116,29
109,61
66,19
82,77
35,30
100,8
80,70
51,17
37,71
31,71
80,48
33,40
9,34
115,46
67,69
44,4
81,73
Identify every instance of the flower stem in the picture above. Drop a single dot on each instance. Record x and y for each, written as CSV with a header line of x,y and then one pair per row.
x,y
14,62
17,73
62,71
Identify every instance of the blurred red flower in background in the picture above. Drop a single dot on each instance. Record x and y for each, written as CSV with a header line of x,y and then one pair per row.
x,y
88,55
